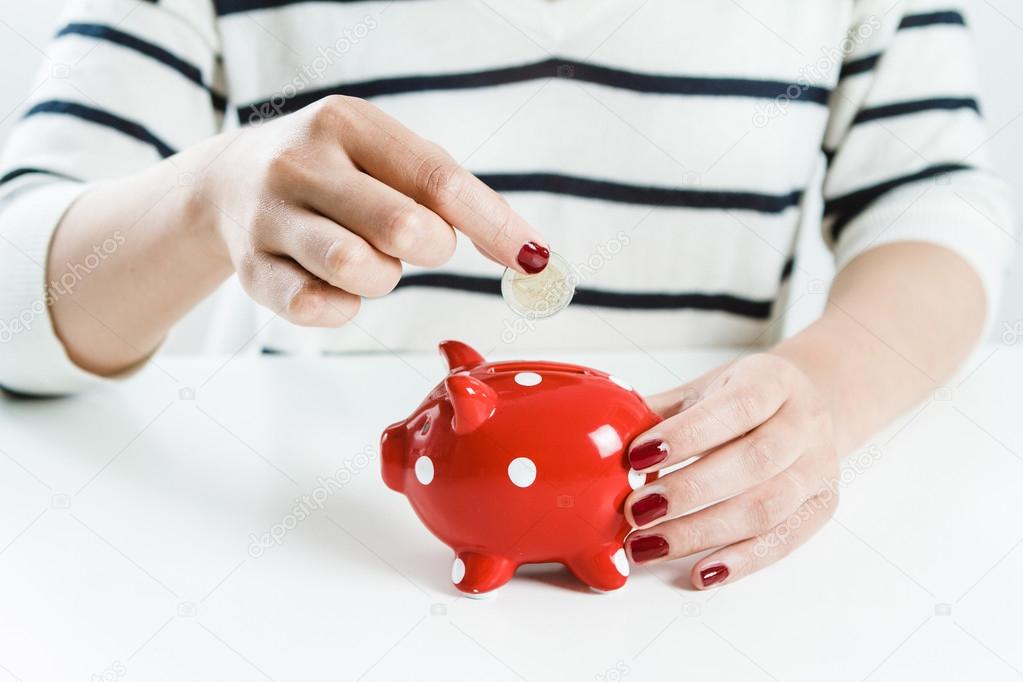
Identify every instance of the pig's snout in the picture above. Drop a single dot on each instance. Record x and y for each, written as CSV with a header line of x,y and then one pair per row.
x,y
392,456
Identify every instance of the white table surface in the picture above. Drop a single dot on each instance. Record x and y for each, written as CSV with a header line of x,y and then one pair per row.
x,y
126,518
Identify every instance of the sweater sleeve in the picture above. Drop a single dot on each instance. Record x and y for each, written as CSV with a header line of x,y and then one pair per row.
x,y
906,143
124,85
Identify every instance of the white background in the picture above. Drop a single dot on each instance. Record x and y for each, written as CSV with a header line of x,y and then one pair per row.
x,y
998,24
131,539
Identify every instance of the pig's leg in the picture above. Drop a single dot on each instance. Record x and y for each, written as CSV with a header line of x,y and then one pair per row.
x,y
604,569
476,574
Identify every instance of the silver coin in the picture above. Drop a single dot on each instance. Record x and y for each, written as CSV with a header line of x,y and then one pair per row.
x,y
543,294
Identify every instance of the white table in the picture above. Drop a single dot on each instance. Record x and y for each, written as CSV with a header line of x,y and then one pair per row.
x,y
126,519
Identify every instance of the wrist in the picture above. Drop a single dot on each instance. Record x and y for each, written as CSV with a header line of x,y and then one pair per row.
x,y
837,362
816,351
198,206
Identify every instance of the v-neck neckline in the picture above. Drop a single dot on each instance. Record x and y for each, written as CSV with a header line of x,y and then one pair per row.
x,y
552,25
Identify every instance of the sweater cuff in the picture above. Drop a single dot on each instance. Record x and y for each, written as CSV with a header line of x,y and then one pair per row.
x,y
971,218
33,360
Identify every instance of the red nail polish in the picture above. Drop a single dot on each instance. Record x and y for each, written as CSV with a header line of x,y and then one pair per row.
x,y
648,454
533,257
713,574
649,508
648,548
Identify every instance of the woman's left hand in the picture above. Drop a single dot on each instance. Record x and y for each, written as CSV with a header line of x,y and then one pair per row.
x,y
763,480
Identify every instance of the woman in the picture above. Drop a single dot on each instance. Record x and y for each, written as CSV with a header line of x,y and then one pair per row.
x,y
679,142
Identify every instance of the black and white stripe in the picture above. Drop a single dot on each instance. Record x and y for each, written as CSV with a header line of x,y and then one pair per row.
x,y
585,131
583,72
661,197
128,41
841,210
102,117
632,300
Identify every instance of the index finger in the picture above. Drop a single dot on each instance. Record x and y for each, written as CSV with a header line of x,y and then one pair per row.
x,y
393,154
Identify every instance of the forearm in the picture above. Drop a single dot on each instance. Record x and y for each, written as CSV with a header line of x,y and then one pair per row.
x,y
129,259
900,319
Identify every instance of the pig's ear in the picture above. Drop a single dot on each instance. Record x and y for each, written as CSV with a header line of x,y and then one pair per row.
x,y
472,400
459,356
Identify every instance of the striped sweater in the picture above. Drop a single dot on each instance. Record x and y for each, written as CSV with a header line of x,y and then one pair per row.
x,y
670,150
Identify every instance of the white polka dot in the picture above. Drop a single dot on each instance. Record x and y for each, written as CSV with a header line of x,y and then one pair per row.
x,y
621,383
528,378
636,479
522,472
457,570
424,470
481,595
621,562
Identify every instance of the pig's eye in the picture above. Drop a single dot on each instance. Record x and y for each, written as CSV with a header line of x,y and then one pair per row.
x,y
425,428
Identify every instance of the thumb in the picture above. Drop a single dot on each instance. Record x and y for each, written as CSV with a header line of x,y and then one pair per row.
x,y
681,398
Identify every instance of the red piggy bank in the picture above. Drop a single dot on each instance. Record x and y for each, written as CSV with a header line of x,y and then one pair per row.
x,y
521,462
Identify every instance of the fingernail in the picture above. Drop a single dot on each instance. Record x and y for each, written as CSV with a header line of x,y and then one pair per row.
x,y
648,454
648,548
649,508
533,257
713,574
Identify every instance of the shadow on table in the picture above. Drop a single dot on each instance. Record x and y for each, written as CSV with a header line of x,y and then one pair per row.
x,y
678,572
674,574
553,574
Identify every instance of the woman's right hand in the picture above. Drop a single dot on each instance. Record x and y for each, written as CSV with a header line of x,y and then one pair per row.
x,y
319,208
